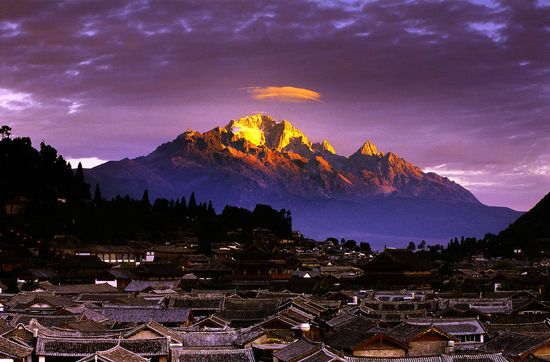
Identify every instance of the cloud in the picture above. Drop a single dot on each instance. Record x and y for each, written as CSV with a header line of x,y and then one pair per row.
x,y
16,101
87,162
461,83
284,94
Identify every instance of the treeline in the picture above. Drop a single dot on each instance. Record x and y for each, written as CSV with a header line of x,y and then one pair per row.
x,y
458,249
42,197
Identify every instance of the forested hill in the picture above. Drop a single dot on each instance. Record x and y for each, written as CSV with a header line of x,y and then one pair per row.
x,y
43,196
38,175
531,232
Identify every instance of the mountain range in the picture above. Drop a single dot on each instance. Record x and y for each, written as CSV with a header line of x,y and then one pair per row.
x,y
369,195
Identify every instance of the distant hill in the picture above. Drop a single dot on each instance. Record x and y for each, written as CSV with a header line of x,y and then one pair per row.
x,y
531,231
369,195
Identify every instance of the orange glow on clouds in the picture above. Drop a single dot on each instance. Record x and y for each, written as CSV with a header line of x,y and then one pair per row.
x,y
284,94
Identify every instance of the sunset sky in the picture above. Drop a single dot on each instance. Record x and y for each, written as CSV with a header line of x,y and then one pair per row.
x,y
461,88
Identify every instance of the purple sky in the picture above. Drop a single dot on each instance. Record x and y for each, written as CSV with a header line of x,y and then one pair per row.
x,y
461,88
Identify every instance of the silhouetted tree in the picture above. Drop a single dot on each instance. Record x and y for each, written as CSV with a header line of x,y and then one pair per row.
x,y
145,198
97,194
350,244
365,247
5,131
422,245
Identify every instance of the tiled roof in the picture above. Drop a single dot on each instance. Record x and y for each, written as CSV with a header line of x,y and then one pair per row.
x,y
406,332
209,339
141,285
13,350
513,344
299,349
80,288
524,328
201,303
496,357
82,347
454,326
115,354
212,355
323,355
45,320
340,319
248,309
23,300
144,315
100,297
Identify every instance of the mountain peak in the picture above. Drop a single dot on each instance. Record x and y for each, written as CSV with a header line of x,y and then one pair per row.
x,y
368,149
324,146
263,130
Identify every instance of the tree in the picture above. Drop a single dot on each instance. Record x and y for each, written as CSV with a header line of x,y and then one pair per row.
x,y
145,198
350,244
333,240
422,245
97,194
411,246
192,204
365,248
5,131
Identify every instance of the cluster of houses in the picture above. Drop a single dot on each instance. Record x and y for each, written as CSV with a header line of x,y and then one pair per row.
x,y
308,302
156,320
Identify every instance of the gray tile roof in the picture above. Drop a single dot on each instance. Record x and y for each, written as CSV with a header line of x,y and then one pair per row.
x,y
13,350
141,285
115,354
454,326
209,339
144,315
212,355
297,350
495,357
82,347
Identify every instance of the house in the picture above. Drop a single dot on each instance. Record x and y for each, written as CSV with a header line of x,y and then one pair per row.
x,y
73,290
209,339
216,271
168,252
377,345
139,286
54,348
31,302
153,329
360,336
470,332
201,306
158,271
260,263
521,324
177,317
518,347
485,357
532,306
212,355
296,351
398,267
114,254
14,352
423,340
115,354
246,312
